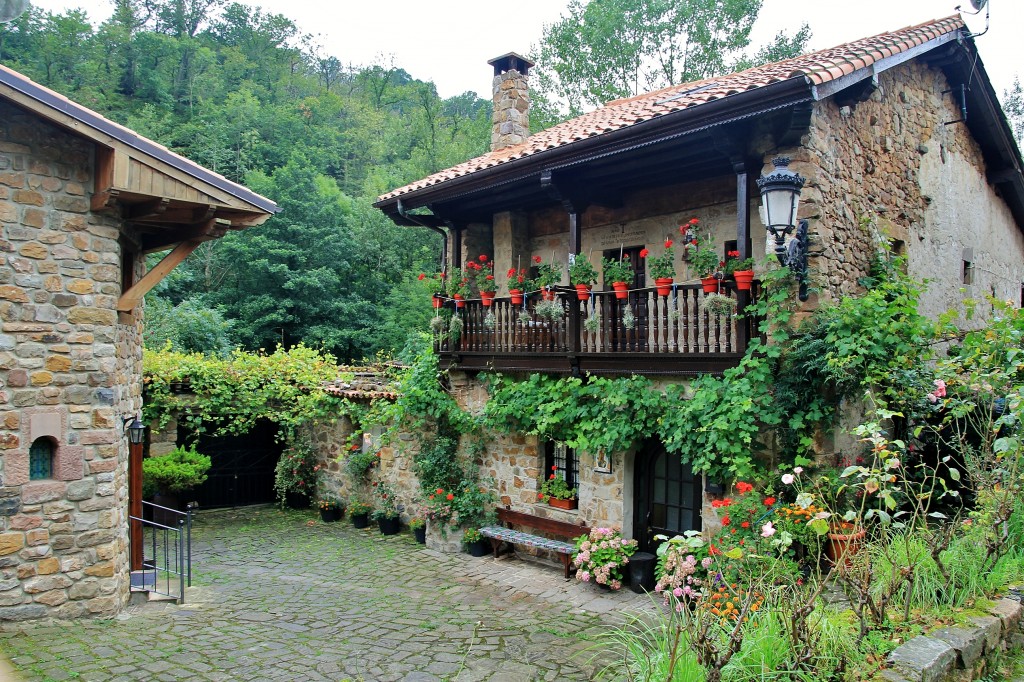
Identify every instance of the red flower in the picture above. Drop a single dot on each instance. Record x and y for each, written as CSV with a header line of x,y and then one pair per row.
x,y
540,496
769,501
745,524
511,273
431,497
554,467
489,277
743,487
668,243
536,259
450,497
483,258
694,242
440,491
725,520
693,221
422,277
721,503
551,477
644,253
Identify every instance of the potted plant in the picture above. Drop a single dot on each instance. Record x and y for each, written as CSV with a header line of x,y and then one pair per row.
x,y
359,513
167,476
549,310
706,263
330,509
386,512
718,304
474,542
548,275
437,282
517,279
661,268
741,270
601,556
582,275
619,273
418,527
458,287
483,274
295,475
556,492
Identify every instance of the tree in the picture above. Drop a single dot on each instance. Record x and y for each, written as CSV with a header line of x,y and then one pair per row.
x,y
1013,105
609,49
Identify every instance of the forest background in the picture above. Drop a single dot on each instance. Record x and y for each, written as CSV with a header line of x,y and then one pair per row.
x,y
243,92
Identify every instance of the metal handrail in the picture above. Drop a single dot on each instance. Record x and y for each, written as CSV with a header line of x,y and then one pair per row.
x,y
161,561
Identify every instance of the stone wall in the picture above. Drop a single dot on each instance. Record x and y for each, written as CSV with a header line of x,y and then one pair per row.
x,y
510,120
68,371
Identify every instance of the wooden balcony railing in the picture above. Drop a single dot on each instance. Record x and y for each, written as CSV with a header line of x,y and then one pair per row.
x,y
669,335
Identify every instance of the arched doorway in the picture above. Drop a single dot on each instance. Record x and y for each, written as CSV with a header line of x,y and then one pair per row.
x,y
667,495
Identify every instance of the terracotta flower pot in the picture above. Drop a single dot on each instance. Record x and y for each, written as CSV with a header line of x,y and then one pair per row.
x,y
583,292
459,302
563,504
487,298
438,301
664,285
844,541
517,296
547,293
621,289
710,284
744,279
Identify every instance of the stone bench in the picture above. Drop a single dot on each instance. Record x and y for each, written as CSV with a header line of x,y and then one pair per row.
x,y
505,533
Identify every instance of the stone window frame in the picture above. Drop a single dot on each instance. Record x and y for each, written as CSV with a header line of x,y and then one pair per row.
x,y
68,462
568,464
35,454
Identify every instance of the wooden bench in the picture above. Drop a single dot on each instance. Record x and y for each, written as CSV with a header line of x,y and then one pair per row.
x,y
504,533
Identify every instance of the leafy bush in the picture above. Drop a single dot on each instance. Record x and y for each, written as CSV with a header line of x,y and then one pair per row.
x,y
180,470
296,471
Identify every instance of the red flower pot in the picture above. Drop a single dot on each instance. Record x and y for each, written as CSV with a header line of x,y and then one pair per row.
x,y
517,296
487,298
621,289
458,300
664,285
744,279
547,293
710,284
583,292
844,541
438,301
563,504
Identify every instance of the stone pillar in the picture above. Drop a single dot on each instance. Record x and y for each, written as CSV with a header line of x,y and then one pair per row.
x,y
510,123
511,246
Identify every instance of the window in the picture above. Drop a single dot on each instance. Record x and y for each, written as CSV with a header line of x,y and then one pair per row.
x,y
564,460
40,460
968,272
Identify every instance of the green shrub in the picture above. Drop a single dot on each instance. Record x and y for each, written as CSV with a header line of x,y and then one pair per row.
x,y
176,472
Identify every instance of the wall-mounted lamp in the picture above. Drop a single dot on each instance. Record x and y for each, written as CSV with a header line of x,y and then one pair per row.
x,y
780,197
136,430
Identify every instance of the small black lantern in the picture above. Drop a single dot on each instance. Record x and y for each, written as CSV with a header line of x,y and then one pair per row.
x,y
780,198
136,430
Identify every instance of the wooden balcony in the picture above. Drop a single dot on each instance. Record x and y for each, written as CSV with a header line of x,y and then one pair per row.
x,y
670,336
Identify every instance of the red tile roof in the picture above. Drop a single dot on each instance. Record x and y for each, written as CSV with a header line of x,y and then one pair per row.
x,y
816,68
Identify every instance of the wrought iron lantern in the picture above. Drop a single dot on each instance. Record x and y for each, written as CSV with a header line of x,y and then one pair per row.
x,y
780,198
136,430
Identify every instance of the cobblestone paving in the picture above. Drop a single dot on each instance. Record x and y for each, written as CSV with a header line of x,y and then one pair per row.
x,y
276,597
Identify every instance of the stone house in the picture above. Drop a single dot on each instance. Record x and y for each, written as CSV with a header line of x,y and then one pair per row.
x,y
82,201
899,136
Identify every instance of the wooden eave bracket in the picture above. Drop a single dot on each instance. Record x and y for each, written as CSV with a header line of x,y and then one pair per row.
x,y
130,299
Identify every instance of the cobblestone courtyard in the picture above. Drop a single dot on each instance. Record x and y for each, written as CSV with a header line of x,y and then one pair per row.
x,y
277,598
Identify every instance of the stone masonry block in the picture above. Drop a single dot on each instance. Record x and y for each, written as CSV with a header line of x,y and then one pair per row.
x,y
992,628
923,659
968,643
1008,611
11,542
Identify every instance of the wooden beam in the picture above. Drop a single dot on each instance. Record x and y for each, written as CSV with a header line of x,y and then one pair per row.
x,y
131,298
148,209
211,229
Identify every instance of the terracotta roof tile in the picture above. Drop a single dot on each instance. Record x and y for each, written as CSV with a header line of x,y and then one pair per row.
x,y
817,67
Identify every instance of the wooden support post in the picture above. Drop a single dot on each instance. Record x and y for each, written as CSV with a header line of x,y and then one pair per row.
x,y
743,245
133,296
135,504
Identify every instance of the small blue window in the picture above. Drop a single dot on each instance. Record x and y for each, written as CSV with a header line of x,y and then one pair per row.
x,y
40,459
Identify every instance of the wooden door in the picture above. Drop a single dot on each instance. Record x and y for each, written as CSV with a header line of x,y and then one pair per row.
x,y
668,496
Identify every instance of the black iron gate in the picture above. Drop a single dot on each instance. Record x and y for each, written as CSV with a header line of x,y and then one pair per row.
x,y
242,469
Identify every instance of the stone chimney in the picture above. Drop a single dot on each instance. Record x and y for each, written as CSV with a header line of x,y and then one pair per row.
x,y
510,124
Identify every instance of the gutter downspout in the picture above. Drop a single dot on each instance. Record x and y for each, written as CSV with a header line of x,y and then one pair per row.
x,y
444,233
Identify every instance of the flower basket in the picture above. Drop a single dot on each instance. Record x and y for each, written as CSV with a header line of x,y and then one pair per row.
x,y
664,285
621,290
744,279
571,503
487,298
710,284
517,296
583,292
459,302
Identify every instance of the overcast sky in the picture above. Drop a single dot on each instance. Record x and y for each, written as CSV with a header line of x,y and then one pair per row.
x,y
450,41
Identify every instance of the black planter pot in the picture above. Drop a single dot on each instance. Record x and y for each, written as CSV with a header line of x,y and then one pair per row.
x,y
389,526
329,515
420,534
641,572
360,520
296,500
477,548
162,516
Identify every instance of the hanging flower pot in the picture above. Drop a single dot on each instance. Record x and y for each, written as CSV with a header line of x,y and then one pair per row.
x,y
664,285
459,302
710,284
487,298
517,296
583,292
744,279
547,293
438,301
621,289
